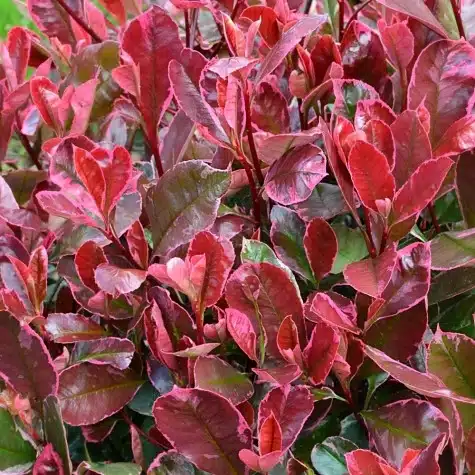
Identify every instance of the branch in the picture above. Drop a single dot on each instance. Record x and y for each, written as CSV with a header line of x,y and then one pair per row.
x,y
80,21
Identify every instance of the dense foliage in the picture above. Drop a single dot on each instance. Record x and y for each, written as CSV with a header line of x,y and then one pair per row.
x,y
237,238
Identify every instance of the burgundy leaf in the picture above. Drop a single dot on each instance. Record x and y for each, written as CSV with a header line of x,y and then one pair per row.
x,y
409,424
137,244
321,247
291,406
72,327
465,172
89,393
116,281
292,178
269,109
214,374
452,249
26,364
264,293
204,427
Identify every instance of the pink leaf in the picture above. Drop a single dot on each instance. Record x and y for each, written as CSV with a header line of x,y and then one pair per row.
x,y
72,327
116,281
459,137
240,328
48,462
364,462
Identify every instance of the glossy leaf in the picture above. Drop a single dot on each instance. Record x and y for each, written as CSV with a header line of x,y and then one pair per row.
x,y
329,456
452,249
214,374
26,363
72,327
177,221
89,393
116,281
204,427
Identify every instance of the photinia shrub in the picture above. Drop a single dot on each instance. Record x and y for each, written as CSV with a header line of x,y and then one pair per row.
x,y
238,237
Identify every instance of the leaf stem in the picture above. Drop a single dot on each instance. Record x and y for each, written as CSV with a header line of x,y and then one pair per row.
x,y
341,19
433,217
256,204
157,158
80,21
32,153
370,242
250,137
354,15
458,17
199,327
187,28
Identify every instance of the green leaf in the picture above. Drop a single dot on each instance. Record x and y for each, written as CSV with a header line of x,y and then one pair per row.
x,y
144,399
453,249
184,202
328,458
455,315
374,381
256,251
287,233
109,469
351,429
14,449
55,432
451,283
322,393
351,247
451,357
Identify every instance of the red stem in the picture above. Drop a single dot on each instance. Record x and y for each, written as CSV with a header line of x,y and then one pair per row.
x,y
433,217
354,15
200,339
384,240
34,155
254,194
341,19
250,138
158,160
371,247
187,28
458,18
79,21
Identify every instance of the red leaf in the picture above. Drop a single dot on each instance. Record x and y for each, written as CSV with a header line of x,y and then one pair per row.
x,y
219,254
240,328
364,462
371,276
278,375
269,109
287,43
323,307
48,462
18,46
88,257
26,364
193,104
320,352
412,145
416,194
443,79
91,175
117,175
321,247
370,109
269,25
288,342
422,383
291,407
72,327
116,8
270,436
379,134
204,427
152,41
418,10
371,174
398,42
82,102
292,178
138,245
44,94
116,281
89,393
459,137
265,292
38,267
